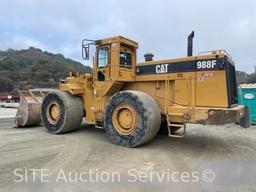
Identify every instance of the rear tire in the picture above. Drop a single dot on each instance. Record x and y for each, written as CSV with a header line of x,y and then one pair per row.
x,y
138,121
61,112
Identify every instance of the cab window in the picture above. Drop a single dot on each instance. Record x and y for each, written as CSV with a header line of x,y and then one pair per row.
x,y
126,60
103,56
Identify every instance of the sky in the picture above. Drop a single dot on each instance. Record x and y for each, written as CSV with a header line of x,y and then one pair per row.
x,y
159,26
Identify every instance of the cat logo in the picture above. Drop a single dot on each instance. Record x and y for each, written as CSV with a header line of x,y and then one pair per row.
x,y
163,68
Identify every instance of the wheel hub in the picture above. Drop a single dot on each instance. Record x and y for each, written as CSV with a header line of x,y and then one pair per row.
x,y
124,119
53,112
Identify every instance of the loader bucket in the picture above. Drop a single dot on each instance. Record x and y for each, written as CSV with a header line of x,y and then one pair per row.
x,y
28,113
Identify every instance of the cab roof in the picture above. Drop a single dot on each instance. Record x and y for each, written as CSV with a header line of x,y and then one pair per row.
x,y
119,39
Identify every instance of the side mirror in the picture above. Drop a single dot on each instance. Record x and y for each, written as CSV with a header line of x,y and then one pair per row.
x,y
86,47
85,51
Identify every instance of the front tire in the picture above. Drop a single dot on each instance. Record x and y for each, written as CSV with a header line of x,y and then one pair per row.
x,y
61,112
132,118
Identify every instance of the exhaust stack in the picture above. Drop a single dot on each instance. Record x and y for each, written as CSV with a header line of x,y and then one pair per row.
x,y
148,57
190,44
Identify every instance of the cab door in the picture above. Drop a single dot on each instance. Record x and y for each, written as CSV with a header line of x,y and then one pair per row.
x,y
101,76
102,68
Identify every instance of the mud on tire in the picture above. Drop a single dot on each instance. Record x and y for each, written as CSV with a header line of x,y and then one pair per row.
x,y
71,112
147,122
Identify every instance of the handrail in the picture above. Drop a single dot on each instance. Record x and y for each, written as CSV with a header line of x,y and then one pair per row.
x,y
214,52
189,85
166,94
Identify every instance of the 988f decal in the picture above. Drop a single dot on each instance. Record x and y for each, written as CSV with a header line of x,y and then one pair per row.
x,y
210,64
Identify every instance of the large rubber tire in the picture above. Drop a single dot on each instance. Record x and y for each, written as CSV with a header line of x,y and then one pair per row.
x,y
147,122
71,112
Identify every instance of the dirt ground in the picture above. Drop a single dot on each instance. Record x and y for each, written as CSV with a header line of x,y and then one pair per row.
x,y
208,158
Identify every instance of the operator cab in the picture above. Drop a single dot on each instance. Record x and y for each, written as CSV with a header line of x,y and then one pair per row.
x,y
115,59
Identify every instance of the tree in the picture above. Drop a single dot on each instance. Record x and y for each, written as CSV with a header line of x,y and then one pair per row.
x,y
5,84
252,79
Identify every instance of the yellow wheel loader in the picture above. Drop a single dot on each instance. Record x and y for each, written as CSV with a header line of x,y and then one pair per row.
x,y
130,100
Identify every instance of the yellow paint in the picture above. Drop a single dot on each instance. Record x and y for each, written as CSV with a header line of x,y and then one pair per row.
x,y
183,95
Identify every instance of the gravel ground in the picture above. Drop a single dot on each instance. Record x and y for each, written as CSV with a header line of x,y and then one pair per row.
x,y
7,113
208,158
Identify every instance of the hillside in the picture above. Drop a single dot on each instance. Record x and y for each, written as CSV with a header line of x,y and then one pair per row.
x,y
30,68
243,77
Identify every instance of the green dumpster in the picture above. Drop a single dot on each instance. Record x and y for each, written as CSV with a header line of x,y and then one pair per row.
x,y
247,97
